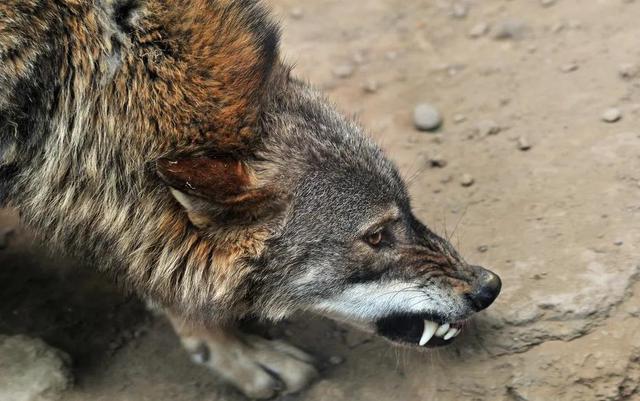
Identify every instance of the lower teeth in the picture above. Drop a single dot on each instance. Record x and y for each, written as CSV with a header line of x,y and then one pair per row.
x,y
431,329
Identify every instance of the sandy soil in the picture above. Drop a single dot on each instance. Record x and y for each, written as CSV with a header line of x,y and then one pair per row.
x,y
559,222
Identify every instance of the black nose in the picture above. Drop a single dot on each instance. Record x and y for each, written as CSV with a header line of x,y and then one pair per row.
x,y
486,288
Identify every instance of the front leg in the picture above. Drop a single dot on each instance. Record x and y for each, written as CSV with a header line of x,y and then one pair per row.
x,y
258,367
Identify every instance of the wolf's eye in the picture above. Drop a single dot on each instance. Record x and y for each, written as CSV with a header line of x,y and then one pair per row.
x,y
375,238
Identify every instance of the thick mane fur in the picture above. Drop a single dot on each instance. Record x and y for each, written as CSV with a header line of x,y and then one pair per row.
x,y
93,93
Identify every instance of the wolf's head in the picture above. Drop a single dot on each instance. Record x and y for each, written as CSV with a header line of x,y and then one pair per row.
x,y
342,239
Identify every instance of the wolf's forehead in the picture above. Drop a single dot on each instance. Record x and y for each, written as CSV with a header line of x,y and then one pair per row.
x,y
344,201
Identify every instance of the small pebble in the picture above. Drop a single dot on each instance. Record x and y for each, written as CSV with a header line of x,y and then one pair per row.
x,y
446,179
547,3
436,140
570,67
343,70
437,161
483,248
359,57
628,71
510,29
454,69
488,127
466,180
618,243
459,118
611,115
459,10
478,30
426,117
336,360
523,144
296,13
371,86
575,24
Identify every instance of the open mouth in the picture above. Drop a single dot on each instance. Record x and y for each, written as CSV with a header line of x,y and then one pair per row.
x,y
420,330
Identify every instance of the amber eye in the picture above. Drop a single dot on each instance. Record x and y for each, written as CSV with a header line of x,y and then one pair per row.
x,y
375,239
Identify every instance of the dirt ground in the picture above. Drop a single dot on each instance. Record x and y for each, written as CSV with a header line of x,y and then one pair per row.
x,y
560,221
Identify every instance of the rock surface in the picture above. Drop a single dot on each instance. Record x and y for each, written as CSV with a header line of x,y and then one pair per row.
x,y
30,370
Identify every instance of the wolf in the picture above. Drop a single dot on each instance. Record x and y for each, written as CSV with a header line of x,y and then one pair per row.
x,y
166,143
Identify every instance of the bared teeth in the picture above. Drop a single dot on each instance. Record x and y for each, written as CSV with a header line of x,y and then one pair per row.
x,y
429,330
446,331
442,330
451,333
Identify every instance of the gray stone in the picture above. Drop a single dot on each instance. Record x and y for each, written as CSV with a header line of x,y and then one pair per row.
x,y
628,70
558,27
296,13
459,10
466,180
523,143
611,115
359,57
30,370
547,3
343,70
510,29
569,67
575,24
437,161
478,30
488,127
426,117
446,179
371,86
459,118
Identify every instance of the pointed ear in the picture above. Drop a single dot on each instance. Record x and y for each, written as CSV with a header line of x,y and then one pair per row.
x,y
232,53
217,191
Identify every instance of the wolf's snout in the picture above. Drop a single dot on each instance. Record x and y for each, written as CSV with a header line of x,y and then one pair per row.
x,y
486,288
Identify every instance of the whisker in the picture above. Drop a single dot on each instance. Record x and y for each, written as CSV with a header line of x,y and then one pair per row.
x,y
464,212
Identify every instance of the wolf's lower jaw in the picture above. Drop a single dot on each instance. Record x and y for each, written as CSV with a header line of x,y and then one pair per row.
x,y
418,330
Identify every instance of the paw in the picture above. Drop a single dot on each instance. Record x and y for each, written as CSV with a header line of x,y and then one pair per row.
x,y
258,367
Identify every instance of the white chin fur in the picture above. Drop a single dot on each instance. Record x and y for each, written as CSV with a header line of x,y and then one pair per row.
x,y
371,301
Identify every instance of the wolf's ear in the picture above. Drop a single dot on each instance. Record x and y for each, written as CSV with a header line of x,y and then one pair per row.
x,y
231,50
217,190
